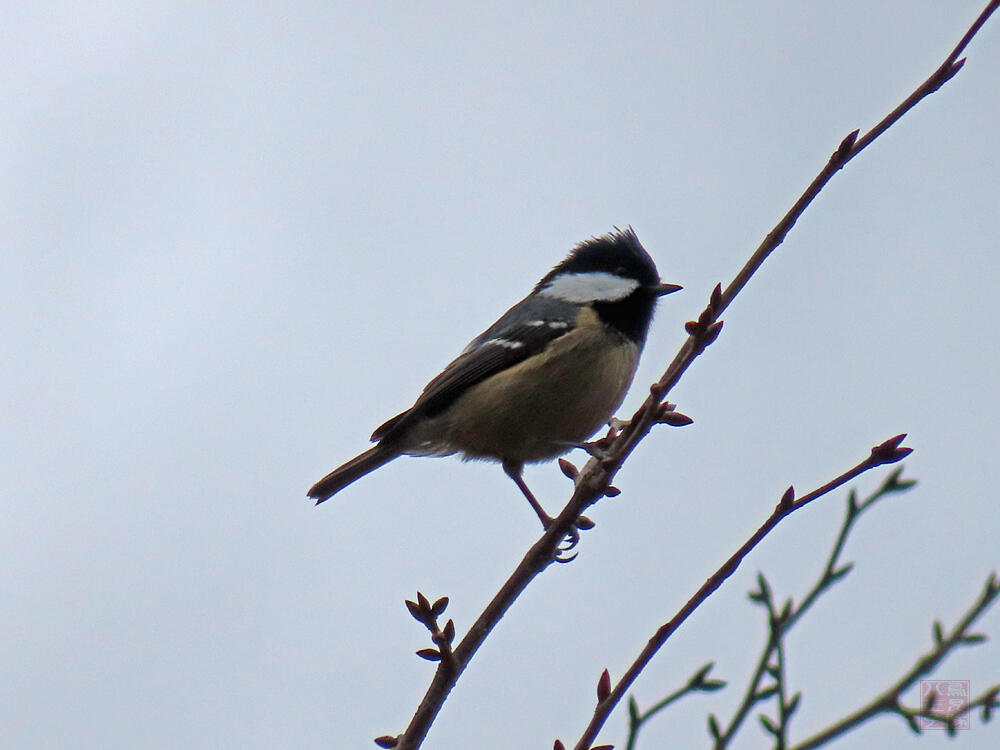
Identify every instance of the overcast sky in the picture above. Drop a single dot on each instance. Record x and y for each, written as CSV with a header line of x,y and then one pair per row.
x,y
237,237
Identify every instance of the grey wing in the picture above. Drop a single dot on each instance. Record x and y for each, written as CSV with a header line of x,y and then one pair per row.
x,y
519,334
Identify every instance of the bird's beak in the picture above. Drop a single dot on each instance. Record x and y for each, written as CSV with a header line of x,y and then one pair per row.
x,y
663,289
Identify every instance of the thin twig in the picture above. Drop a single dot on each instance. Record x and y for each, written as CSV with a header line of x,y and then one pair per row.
x,y
699,682
888,452
594,480
644,419
850,147
832,573
889,700
987,700
538,557
780,673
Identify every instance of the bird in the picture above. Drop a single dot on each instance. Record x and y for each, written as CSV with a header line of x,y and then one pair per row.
x,y
538,382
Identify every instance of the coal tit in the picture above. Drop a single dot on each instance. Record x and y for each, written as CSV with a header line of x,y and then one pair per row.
x,y
538,382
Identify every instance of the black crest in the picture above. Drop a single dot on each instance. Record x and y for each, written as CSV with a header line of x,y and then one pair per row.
x,y
618,252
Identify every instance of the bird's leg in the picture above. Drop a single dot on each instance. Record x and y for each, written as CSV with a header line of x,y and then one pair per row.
x,y
596,448
513,470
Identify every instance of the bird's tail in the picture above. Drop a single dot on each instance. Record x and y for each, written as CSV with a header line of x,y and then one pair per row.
x,y
353,470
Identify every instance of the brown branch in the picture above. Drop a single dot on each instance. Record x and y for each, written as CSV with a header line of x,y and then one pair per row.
x,y
888,452
594,480
850,147
832,573
540,556
644,419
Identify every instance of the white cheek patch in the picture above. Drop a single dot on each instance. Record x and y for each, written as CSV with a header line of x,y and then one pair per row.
x,y
595,286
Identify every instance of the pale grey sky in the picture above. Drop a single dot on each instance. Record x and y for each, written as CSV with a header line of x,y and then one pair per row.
x,y
237,237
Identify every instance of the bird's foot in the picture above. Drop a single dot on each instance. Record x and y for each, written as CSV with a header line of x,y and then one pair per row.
x,y
599,448
572,538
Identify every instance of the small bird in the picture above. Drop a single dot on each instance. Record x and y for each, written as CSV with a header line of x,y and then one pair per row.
x,y
538,382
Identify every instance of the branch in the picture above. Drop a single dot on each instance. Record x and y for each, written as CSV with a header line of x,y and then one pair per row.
x,y
708,327
594,481
987,700
888,452
831,573
889,700
779,627
850,147
698,683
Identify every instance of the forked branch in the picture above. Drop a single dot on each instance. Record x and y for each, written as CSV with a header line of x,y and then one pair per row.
x,y
593,481
888,452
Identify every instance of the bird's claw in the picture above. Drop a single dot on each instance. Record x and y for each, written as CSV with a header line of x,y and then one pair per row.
x,y
561,559
572,539
597,448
